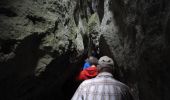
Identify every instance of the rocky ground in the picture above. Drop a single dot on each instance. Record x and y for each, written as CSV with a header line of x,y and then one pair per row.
x,y
43,44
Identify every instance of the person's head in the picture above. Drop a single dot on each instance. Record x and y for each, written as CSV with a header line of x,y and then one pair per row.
x,y
93,60
105,64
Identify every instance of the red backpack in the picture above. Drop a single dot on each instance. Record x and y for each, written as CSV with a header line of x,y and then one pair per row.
x,y
88,73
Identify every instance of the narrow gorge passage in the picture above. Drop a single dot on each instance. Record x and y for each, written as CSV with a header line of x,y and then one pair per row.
x,y
43,44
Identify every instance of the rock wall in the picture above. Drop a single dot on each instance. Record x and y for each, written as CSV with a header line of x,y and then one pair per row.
x,y
38,41
135,31
44,42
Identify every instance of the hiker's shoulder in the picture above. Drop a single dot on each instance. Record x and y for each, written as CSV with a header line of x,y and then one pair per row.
x,y
88,82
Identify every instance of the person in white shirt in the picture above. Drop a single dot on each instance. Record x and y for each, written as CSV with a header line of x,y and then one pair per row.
x,y
103,86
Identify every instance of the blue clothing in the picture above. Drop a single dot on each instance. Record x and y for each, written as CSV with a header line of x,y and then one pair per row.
x,y
86,65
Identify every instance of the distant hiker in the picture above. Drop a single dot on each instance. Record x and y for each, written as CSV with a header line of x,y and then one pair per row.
x,y
89,69
94,53
90,61
103,86
86,64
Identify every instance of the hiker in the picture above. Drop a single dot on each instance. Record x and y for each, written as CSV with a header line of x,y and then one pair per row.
x,y
89,70
90,61
103,86
86,64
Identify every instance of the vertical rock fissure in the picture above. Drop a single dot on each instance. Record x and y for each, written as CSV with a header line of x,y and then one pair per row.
x,y
43,44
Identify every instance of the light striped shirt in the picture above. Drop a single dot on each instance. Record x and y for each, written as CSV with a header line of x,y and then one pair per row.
x,y
103,87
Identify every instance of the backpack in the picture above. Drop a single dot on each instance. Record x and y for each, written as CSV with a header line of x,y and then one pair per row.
x,y
88,73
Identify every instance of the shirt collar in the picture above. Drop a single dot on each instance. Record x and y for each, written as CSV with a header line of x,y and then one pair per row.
x,y
103,74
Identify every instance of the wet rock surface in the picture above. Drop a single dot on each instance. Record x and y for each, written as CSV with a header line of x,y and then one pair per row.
x,y
43,44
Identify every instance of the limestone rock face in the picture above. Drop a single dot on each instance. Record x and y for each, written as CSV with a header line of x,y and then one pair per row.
x,y
52,21
43,44
136,34
36,34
